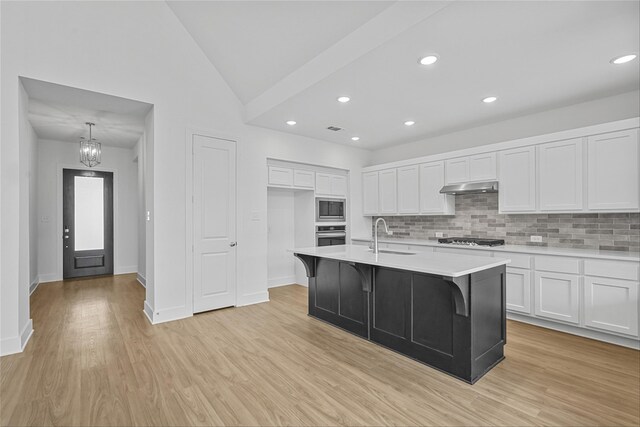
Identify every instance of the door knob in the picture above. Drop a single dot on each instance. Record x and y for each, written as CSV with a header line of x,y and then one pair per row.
x,y
232,244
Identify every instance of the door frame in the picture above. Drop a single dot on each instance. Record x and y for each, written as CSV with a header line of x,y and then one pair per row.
x,y
188,201
60,220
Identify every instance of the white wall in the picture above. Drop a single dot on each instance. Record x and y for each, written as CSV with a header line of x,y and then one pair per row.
x,y
623,106
53,156
142,249
33,208
157,63
280,236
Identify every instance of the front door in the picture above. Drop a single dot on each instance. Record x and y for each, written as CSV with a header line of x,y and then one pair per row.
x,y
214,223
87,221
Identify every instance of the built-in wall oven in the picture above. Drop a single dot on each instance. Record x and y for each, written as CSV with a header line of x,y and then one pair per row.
x,y
331,235
330,210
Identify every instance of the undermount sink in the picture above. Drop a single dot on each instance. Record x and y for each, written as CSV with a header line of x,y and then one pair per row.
x,y
394,252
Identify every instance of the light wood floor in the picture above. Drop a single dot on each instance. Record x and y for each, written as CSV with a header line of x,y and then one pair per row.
x,y
94,359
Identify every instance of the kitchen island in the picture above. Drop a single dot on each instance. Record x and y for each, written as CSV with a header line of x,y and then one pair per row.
x,y
447,311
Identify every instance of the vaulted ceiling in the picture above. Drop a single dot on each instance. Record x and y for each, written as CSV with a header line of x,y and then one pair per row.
x,y
288,60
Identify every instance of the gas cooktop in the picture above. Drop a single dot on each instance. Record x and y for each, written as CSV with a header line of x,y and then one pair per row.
x,y
471,241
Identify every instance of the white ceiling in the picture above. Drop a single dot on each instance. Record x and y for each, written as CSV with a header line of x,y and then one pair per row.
x,y
254,44
289,60
59,113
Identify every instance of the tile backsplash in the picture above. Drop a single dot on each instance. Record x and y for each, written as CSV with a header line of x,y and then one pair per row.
x,y
477,216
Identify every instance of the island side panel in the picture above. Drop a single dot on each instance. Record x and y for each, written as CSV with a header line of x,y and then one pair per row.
x,y
336,296
488,319
414,314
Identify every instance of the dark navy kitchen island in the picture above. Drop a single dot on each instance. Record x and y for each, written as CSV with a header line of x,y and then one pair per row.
x,y
447,311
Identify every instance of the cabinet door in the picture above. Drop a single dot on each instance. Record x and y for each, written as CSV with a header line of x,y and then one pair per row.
x,y
408,190
338,185
482,167
611,305
556,296
560,175
303,179
323,184
517,179
388,191
431,181
519,290
457,170
370,193
613,164
280,176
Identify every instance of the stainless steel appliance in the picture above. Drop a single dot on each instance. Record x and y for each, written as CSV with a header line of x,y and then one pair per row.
x,y
471,188
471,241
330,210
331,235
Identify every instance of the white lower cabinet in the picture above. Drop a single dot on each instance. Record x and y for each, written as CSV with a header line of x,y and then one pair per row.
x,y
557,296
611,305
518,293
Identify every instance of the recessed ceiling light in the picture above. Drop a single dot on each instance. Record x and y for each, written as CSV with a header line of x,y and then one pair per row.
x,y
409,123
344,99
428,60
623,59
291,122
355,138
489,99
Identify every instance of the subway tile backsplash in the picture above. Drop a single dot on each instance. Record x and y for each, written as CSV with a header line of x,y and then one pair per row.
x,y
477,216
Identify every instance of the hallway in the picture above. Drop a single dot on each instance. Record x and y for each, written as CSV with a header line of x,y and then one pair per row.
x,y
95,359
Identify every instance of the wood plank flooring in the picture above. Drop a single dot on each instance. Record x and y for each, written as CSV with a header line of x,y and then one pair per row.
x,y
94,359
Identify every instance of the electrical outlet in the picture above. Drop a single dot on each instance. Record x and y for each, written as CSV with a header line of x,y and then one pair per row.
x,y
390,233
439,234
536,239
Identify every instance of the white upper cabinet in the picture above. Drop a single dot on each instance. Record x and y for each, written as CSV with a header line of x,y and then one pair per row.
x,y
613,171
431,181
388,194
560,175
457,170
280,176
517,180
304,178
408,190
331,185
480,167
370,193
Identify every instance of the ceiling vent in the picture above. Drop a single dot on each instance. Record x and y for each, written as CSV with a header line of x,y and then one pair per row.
x,y
334,128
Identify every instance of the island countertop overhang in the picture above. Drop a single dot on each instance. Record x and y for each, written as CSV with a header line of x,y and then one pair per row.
x,y
442,264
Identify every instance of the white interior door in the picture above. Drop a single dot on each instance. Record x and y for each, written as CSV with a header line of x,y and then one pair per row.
x,y
214,223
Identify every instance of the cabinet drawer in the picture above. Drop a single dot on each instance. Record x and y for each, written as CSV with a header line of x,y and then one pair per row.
x,y
280,176
517,260
558,264
615,269
304,179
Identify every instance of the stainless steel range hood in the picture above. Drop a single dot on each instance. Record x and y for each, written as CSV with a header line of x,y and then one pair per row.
x,y
471,188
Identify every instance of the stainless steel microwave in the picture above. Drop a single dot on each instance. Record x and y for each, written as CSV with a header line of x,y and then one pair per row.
x,y
331,209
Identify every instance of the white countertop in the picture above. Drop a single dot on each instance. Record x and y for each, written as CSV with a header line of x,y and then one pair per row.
x,y
422,262
535,250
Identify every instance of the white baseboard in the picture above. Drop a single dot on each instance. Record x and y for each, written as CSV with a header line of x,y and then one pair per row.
x,y
165,315
281,281
255,298
148,311
17,344
50,277
34,285
127,269
574,330
141,279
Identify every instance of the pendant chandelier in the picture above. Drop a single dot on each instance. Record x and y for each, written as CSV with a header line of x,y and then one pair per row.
x,y
90,149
